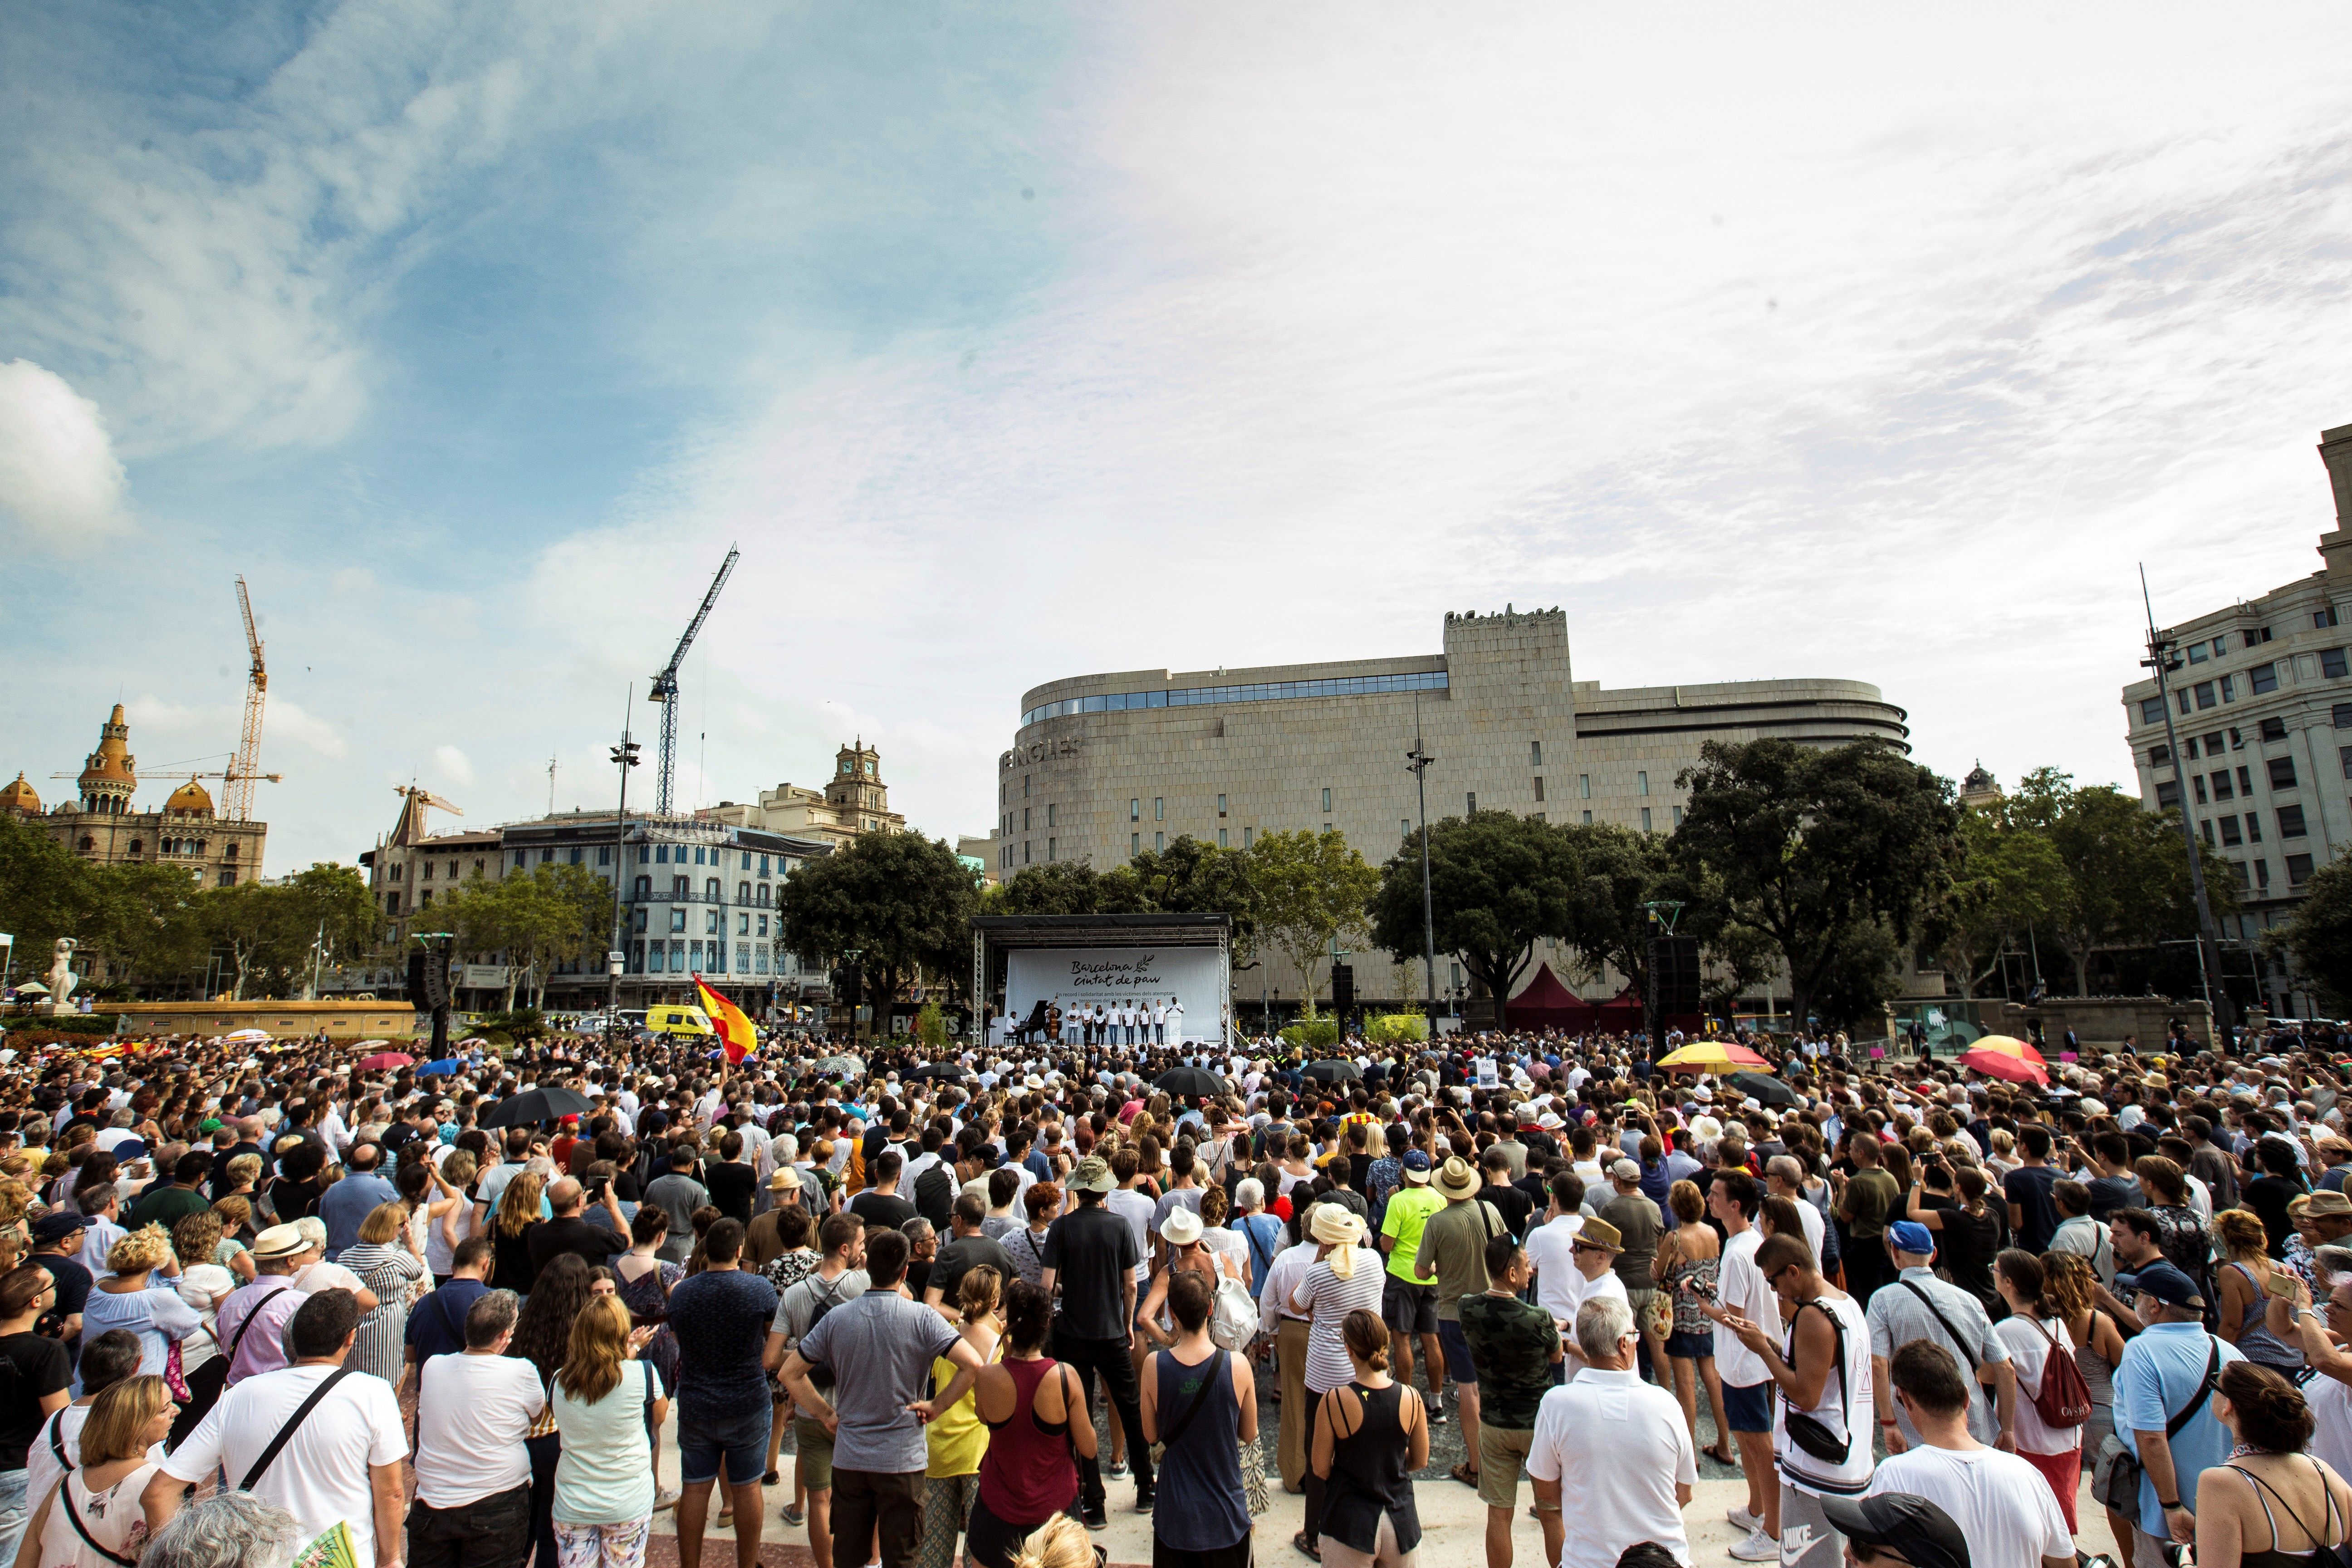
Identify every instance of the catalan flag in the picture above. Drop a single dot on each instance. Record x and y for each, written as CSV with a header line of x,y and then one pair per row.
x,y
736,1036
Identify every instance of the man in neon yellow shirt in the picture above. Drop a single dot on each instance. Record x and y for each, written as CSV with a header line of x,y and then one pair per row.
x,y
1410,1304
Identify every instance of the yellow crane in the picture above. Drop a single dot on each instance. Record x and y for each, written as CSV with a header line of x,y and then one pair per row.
x,y
246,766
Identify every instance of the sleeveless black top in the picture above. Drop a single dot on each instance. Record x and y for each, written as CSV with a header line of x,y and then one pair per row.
x,y
1369,1477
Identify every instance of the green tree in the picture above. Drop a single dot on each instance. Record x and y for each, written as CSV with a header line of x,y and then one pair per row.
x,y
2319,936
47,891
901,900
531,922
1194,877
259,927
1812,848
1310,891
1066,887
1497,885
2007,877
2126,882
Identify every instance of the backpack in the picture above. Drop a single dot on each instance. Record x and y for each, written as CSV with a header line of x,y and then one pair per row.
x,y
935,1195
1232,1320
2064,1397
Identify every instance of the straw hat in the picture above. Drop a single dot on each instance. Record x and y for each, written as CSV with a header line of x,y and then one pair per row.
x,y
279,1241
1182,1227
1600,1233
1456,1179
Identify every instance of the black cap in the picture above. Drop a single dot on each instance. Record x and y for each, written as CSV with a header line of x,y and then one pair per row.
x,y
1909,1526
58,1225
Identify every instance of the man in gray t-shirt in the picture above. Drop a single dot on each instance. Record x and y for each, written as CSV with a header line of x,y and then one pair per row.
x,y
876,1417
677,1195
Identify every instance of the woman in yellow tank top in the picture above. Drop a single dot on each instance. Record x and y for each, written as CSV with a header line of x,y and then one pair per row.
x,y
958,1439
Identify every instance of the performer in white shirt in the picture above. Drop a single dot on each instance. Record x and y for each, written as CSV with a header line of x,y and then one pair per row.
x,y
1160,1022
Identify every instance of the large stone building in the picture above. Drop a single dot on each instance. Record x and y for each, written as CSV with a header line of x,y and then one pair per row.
x,y
103,824
2262,708
1105,766
854,801
697,898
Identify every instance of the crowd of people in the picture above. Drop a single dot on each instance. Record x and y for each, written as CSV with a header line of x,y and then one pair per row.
x,y
945,1308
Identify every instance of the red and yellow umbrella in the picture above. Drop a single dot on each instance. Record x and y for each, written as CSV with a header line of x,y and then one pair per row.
x,y
2006,1058
1712,1056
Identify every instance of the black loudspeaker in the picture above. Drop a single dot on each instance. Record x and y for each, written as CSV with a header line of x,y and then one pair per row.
x,y
417,968
1678,975
430,980
1343,989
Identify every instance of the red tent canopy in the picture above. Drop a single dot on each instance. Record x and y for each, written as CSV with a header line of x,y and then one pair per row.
x,y
1546,1004
1621,1015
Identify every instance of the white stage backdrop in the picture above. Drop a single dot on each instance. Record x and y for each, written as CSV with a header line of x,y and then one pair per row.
x,y
1073,976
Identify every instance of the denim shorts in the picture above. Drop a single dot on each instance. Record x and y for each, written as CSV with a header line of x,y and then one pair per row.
x,y
1749,1405
742,1441
1459,1367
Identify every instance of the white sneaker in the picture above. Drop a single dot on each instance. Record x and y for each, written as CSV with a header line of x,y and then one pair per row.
x,y
1758,1548
1742,1520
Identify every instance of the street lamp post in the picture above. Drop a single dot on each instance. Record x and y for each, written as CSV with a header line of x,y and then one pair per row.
x,y
1417,762
624,757
2163,661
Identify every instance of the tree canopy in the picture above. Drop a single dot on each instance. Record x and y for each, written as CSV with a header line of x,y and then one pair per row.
x,y
899,899
2319,936
1497,884
1310,890
1820,851
552,914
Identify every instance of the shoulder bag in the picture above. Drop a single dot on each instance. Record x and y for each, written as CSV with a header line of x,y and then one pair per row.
x,y
1172,1436
1810,1432
2117,1480
65,1496
285,1433
204,1387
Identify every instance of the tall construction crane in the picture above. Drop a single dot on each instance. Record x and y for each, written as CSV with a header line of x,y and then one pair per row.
x,y
665,686
246,766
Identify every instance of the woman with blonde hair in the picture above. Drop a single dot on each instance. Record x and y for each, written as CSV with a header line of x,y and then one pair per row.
x,y
511,1228
92,1518
2244,1288
607,1403
130,1298
387,1266
1061,1542
2067,1283
956,1439
448,1212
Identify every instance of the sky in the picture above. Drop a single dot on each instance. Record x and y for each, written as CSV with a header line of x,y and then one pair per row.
x,y
1014,342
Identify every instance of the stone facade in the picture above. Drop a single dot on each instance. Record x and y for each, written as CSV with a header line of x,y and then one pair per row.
x,y
103,824
854,801
2262,709
1104,766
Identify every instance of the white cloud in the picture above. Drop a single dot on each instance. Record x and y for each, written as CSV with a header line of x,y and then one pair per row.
x,y
283,721
58,475
453,764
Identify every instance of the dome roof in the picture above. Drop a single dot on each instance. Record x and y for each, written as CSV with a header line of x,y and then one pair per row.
x,y
189,796
20,797
110,764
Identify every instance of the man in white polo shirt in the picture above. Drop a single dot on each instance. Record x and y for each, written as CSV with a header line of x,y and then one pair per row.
x,y
473,1473
1623,1443
340,1462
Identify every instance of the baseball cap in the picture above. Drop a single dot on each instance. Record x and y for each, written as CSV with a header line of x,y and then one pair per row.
x,y
1416,1167
58,1227
2163,1281
1626,1171
1910,1236
1909,1526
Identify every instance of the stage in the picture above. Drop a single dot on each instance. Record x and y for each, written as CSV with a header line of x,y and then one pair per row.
x,y
1084,961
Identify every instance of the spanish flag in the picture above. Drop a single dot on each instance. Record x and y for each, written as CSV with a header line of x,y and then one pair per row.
x,y
736,1036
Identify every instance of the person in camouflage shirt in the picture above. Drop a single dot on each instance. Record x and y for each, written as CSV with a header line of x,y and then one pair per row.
x,y
1516,1347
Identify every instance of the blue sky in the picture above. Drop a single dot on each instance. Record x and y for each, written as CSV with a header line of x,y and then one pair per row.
x,y
1016,343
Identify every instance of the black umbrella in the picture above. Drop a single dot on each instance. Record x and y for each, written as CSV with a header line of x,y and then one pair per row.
x,y
1331,1072
534,1105
1763,1086
942,1072
1189,1081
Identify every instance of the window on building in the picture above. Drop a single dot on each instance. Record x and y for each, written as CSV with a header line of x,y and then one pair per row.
x,y
2273,730
2159,755
1160,806
2253,828
1678,816
2290,822
677,956
1135,809
603,854
1539,795
2197,654
2238,869
710,889
2259,634
2197,787
2205,830
694,954
2151,709
1024,786
1053,813
1221,806
1327,827
2245,781
2205,695
1645,819
2263,874
2298,870
762,927
2167,793
2221,790
2326,618
1471,800
2331,663
2192,749
2220,645
1457,975
639,923
1535,816
1588,819
712,920
1134,845
644,854
655,955
2229,834
2343,755
1050,851
1641,783
1159,840
1584,786
644,887
743,892
2181,697
1404,824
1024,818
1248,835
681,887
2228,688
1220,839
2282,772
661,854
392,903
763,895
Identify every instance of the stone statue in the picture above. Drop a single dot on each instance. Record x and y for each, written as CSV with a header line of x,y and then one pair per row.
x,y
61,977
